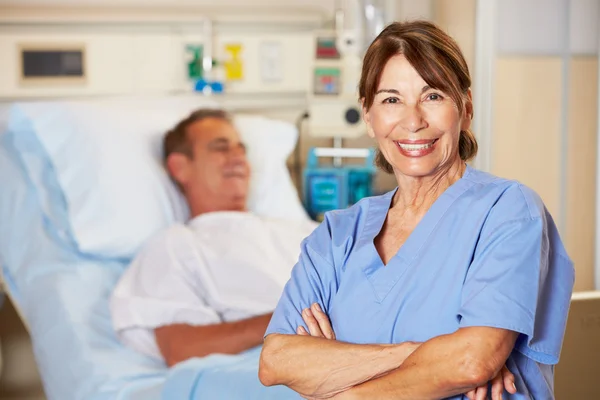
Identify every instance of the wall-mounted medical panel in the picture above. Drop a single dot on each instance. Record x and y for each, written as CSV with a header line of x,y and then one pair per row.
x,y
42,63
269,62
157,63
118,57
104,72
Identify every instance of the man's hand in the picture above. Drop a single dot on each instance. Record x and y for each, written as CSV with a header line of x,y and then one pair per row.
x,y
504,380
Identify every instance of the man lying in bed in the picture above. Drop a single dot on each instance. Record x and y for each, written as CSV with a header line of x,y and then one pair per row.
x,y
209,286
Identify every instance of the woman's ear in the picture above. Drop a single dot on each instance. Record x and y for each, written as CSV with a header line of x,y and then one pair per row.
x,y
367,119
468,113
178,166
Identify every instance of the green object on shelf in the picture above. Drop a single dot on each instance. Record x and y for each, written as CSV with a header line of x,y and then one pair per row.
x,y
195,70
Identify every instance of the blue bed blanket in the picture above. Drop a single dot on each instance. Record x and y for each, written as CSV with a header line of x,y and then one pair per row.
x,y
222,377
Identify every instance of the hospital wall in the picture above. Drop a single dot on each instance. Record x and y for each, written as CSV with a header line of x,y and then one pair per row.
x,y
545,115
528,145
526,140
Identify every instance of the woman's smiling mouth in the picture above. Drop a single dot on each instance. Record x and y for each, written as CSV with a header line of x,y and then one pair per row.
x,y
416,148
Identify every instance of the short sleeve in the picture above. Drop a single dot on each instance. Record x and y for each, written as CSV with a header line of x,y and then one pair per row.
x,y
158,289
521,280
312,281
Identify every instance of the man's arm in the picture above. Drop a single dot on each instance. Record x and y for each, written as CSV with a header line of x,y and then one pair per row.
x,y
178,342
443,366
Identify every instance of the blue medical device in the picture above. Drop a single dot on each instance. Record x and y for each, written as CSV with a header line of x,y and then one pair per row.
x,y
332,187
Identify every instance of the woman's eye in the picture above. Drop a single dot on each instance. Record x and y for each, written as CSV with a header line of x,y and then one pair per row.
x,y
434,97
391,100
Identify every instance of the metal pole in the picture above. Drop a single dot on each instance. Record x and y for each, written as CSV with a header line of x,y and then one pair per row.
x,y
597,247
564,119
483,85
337,144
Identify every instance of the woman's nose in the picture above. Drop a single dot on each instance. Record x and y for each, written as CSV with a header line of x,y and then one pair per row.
x,y
412,118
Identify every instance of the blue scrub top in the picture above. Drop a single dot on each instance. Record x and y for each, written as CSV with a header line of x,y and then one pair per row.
x,y
487,253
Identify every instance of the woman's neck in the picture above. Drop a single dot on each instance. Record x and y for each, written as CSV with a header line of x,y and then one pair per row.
x,y
418,194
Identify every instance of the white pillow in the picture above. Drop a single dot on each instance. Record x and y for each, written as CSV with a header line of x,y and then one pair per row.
x,y
272,191
97,170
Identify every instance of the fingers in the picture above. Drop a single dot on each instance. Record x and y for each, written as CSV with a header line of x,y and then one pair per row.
x,y
509,380
311,323
323,321
302,331
497,387
481,392
503,380
317,323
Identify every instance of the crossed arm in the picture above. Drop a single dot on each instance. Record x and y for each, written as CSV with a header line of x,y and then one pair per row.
x,y
318,368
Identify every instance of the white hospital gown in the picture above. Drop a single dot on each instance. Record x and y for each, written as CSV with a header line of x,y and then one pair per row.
x,y
220,267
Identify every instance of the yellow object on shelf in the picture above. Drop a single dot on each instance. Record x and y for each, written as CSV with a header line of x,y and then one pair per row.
x,y
234,67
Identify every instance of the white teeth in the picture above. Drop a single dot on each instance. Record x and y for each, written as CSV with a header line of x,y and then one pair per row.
x,y
415,147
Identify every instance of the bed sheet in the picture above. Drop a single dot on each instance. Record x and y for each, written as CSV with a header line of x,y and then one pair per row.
x,y
222,377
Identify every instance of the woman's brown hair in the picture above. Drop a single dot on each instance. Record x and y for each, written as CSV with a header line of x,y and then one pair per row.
x,y
437,59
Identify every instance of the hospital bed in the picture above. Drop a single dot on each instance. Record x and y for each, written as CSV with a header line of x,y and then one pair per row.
x,y
82,187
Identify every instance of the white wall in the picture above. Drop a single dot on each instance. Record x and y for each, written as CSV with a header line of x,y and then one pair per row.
x,y
325,5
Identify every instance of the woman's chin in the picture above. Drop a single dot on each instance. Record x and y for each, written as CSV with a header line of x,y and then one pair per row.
x,y
416,168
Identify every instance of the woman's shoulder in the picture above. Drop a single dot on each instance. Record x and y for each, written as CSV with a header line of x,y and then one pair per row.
x,y
514,205
510,198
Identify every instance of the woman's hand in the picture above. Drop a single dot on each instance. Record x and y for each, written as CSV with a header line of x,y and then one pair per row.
x,y
317,322
504,380
318,326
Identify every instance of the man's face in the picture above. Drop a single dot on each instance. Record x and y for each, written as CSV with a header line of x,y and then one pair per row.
x,y
218,172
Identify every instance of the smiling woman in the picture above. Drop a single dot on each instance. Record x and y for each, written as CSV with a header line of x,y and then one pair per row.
x,y
451,281
433,82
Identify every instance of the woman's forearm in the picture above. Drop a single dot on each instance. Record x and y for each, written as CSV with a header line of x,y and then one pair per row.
x,y
442,367
320,368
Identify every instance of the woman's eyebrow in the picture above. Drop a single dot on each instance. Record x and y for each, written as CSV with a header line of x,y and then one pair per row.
x,y
394,91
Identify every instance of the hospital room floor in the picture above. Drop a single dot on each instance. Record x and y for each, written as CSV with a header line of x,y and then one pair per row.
x,y
19,378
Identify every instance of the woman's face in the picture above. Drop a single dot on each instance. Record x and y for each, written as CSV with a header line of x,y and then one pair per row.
x,y
417,128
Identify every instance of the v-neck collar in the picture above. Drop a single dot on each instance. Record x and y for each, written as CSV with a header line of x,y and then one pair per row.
x,y
383,277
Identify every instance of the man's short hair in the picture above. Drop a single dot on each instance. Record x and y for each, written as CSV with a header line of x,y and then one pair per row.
x,y
176,140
